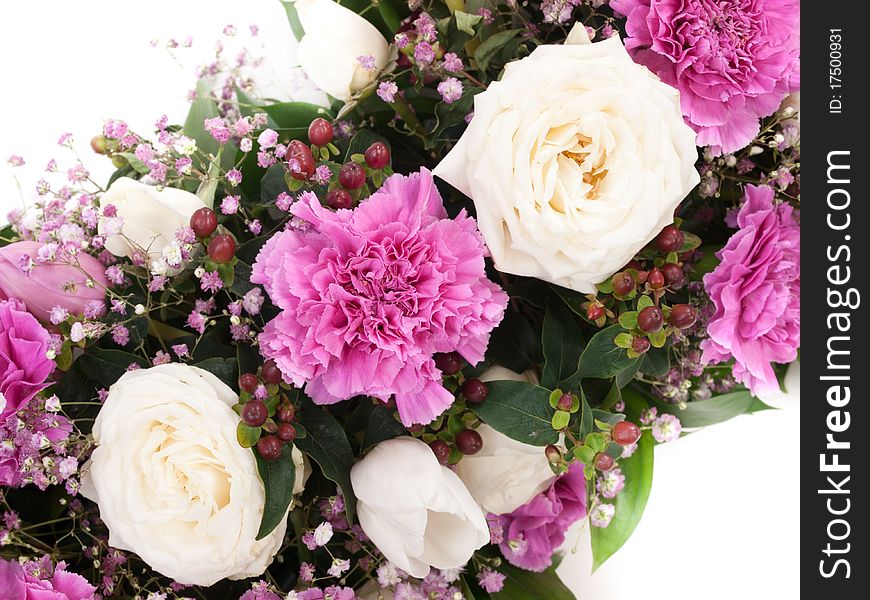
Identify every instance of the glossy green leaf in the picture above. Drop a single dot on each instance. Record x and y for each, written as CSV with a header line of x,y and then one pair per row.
x,y
602,358
586,417
493,44
279,477
382,425
224,369
527,585
519,410
247,435
328,446
293,118
293,19
560,419
514,344
701,413
562,343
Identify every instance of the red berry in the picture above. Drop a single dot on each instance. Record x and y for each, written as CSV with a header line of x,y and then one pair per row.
x,y
633,264
674,275
286,432
441,450
99,144
269,447
320,132
650,319
249,382
642,276
221,248
475,391
670,239
565,402
285,412
656,279
377,156
683,316
203,221
300,159
625,433
339,198
604,462
415,428
640,345
351,176
623,283
469,441
271,373
594,311
448,364
254,413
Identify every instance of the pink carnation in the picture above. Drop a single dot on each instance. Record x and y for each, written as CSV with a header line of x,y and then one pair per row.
x,y
24,366
756,292
369,295
732,60
535,530
32,581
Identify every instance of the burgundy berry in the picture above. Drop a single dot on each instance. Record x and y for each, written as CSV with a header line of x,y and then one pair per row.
x,y
594,311
286,432
203,221
683,316
475,391
271,373
254,413
640,345
623,283
449,363
222,248
249,382
604,462
674,275
269,447
441,450
670,239
469,441
339,198
565,402
351,175
656,279
625,433
285,412
650,319
377,156
300,159
320,132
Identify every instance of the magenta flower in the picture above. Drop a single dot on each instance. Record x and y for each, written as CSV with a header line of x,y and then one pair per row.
x,y
732,60
756,293
50,284
535,530
369,295
24,366
21,583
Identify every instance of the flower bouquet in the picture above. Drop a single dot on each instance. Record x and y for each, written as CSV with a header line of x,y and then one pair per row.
x,y
397,344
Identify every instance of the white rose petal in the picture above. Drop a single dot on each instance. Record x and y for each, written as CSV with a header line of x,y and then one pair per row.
x,y
335,38
575,160
172,482
150,216
417,512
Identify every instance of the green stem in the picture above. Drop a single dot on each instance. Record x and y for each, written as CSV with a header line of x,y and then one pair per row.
x,y
404,110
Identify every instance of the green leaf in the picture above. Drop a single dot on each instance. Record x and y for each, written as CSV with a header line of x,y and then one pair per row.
x,y
560,419
656,362
644,302
360,142
562,342
487,50
390,15
466,22
279,477
572,299
630,503
382,425
105,367
525,585
602,358
293,118
514,344
629,321
584,454
624,377
204,107
293,18
247,435
707,263
613,396
690,242
586,417
596,441
222,368
701,413
328,446
135,163
519,410
658,338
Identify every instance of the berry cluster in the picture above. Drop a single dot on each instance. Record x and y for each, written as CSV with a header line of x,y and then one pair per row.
x,y
267,413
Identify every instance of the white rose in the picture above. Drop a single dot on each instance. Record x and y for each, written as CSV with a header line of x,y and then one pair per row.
x,y
417,512
151,216
335,39
172,482
575,160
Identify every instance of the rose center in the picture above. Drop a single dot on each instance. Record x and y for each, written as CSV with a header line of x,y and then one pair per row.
x,y
591,163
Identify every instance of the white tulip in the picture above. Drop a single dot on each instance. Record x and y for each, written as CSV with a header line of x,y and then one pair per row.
x,y
416,511
172,482
335,40
151,216
575,160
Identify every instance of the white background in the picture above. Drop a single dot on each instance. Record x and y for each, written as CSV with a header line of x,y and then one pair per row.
x,y
722,520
